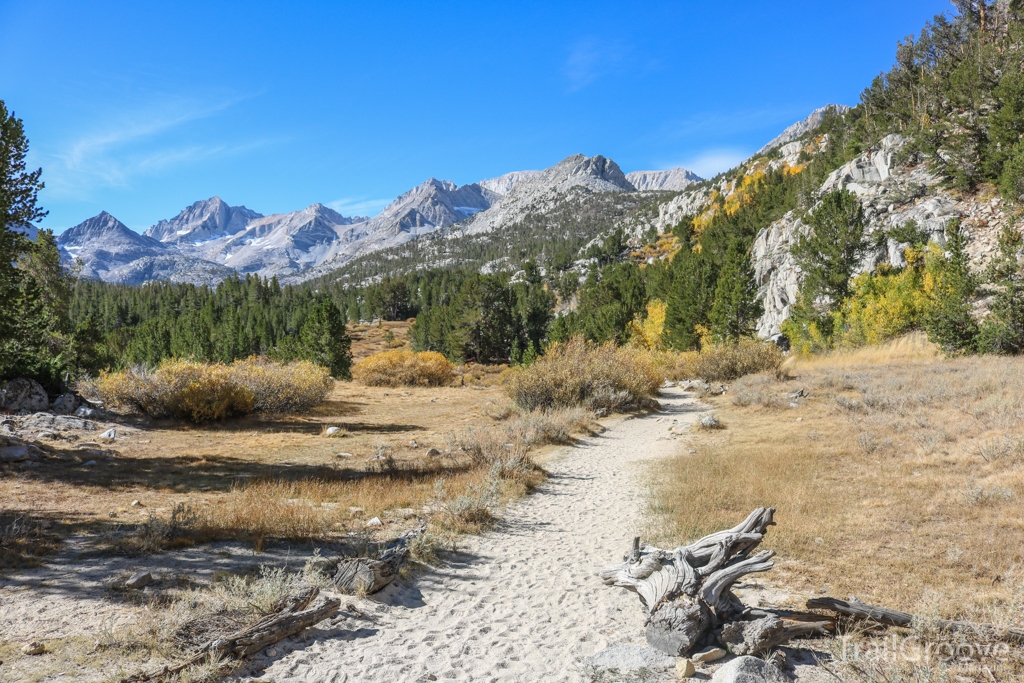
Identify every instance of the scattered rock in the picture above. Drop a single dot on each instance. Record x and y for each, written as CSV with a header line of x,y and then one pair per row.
x,y
748,669
685,668
65,404
33,648
669,384
433,453
46,435
345,455
139,580
709,655
331,431
271,652
24,394
374,522
110,434
112,513
136,504
90,463
414,444
794,405
710,422
88,446
87,412
629,658
601,412
13,454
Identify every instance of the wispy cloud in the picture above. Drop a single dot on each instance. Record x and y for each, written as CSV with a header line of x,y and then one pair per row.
x,y
711,162
590,59
143,142
358,206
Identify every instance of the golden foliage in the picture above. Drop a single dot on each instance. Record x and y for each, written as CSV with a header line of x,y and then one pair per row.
x,y
202,392
581,373
646,332
401,367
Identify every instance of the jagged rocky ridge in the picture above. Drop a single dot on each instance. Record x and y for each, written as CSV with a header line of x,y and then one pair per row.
x,y
210,239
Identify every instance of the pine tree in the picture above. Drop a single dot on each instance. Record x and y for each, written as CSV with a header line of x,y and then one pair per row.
x,y
949,322
831,251
736,308
323,340
1003,330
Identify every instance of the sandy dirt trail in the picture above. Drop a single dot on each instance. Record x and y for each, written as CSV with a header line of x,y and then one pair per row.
x,y
521,603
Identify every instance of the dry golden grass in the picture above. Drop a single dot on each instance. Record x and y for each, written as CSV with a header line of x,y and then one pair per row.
x,y
899,480
404,368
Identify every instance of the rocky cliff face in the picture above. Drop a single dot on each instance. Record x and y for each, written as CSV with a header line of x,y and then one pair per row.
x,y
674,179
892,195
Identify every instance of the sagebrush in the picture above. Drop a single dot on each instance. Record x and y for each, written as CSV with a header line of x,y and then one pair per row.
x,y
202,392
581,373
401,367
723,362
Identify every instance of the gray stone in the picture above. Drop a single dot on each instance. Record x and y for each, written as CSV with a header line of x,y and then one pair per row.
x,y
709,422
65,404
46,435
89,463
110,434
433,453
13,454
34,648
710,655
87,412
748,670
374,522
331,431
139,580
24,394
626,659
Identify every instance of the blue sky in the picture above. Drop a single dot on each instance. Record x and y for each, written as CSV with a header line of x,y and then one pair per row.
x,y
141,108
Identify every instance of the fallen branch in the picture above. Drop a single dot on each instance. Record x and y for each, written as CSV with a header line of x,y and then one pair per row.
x,y
855,609
291,618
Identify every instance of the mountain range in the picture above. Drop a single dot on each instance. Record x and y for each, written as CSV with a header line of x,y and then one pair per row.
x,y
209,240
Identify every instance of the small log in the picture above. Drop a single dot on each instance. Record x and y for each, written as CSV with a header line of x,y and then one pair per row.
x,y
292,617
855,609
761,635
364,575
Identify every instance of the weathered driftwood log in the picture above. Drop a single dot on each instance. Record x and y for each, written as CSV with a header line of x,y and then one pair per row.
x,y
291,617
686,590
764,633
855,609
364,575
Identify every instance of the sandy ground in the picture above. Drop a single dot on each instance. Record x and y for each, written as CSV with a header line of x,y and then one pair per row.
x,y
521,603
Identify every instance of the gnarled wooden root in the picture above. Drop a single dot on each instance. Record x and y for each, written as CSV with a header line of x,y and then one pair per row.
x,y
686,590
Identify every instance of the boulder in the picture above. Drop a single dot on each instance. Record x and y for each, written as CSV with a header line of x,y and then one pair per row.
x,y
24,394
13,454
87,412
65,404
749,670
110,434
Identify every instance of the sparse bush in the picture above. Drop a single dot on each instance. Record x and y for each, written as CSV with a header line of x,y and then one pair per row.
x,y
275,388
400,367
581,373
726,362
201,392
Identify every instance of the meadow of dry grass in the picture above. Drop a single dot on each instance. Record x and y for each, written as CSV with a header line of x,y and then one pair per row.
x,y
898,479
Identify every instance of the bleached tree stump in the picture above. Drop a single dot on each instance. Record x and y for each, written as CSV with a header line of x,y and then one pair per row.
x,y
686,591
